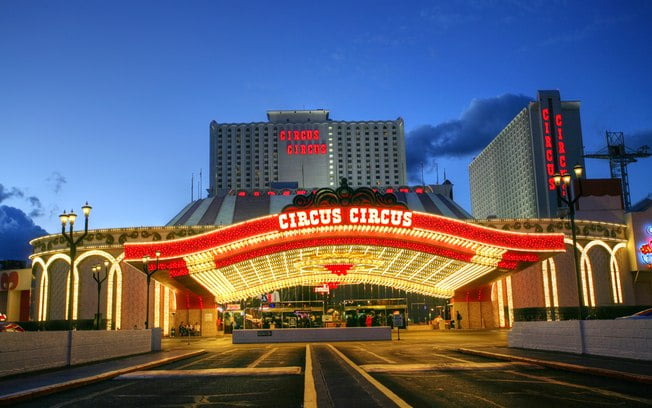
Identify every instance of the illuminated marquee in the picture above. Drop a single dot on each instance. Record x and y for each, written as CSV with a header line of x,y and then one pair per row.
x,y
350,215
293,136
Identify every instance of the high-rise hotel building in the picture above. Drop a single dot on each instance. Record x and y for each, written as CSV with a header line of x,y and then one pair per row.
x,y
305,149
513,176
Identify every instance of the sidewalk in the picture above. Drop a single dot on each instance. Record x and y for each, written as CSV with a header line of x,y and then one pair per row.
x,y
17,388
618,368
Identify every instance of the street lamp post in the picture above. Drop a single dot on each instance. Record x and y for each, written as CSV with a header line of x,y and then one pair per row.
x,y
149,274
98,268
565,179
72,242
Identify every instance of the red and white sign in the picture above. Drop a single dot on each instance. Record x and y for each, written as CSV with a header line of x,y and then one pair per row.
x,y
345,216
322,289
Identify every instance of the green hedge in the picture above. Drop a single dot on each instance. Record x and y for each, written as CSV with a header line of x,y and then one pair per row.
x,y
531,314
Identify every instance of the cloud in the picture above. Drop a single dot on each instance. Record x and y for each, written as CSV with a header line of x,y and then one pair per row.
x,y
6,194
469,134
638,139
16,230
57,181
35,202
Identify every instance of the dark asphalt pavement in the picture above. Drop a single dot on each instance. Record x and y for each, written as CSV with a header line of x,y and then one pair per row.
x,y
329,366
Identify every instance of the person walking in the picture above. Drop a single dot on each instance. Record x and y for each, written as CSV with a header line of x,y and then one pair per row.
x,y
459,320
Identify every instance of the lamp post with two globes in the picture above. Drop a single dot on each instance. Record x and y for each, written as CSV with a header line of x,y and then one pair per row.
x,y
65,219
571,201
96,275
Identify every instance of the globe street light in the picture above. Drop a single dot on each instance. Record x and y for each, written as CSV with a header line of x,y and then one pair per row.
x,y
149,277
98,268
72,242
563,180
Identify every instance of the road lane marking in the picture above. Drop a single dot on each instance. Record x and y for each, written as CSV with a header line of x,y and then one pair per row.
x,y
210,372
195,362
261,358
387,360
596,390
495,404
309,390
388,393
558,365
451,357
384,368
90,396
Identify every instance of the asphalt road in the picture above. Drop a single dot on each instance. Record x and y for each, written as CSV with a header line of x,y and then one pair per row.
x,y
421,370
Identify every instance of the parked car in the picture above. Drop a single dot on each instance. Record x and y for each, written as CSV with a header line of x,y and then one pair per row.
x,y
10,327
643,314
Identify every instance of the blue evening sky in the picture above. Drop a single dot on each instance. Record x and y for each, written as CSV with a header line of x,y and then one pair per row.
x,y
110,101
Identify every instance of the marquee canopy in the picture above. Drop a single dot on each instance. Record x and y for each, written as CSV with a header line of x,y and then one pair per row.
x,y
346,236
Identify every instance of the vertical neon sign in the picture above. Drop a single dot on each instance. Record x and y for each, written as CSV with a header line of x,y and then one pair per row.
x,y
554,147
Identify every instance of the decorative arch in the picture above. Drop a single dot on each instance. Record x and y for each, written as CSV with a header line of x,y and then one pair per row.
x,y
570,242
615,273
43,285
345,241
66,259
588,286
549,275
83,256
114,292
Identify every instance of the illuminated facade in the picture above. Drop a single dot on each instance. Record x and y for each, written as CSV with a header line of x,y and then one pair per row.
x,y
280,227
305,149
512,176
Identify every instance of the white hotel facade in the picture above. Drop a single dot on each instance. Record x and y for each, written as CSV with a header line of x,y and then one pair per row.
x,y
306,149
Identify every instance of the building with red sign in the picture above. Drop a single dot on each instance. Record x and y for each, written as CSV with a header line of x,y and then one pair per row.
x,y
512,176
305,149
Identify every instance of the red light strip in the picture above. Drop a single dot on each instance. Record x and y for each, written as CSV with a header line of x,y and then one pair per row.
x,y
428,222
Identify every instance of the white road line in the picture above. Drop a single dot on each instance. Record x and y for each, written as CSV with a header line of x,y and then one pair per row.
x,y
387,360
466,394
195,361
584,387
210,372
261,358
309,390
384,368
90,396
388,393
451,357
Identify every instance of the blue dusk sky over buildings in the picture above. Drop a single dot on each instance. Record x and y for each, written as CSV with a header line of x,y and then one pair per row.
x,y
110,102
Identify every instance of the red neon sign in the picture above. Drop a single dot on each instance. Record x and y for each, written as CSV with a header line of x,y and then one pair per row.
x,y
296,135
294,149
550,141
308,135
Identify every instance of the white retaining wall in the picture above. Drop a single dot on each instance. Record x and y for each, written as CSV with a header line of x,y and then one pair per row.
x,y
623,338
311,335
34,351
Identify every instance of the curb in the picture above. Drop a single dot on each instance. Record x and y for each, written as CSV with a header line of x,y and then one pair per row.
x,y
621,375
8,399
